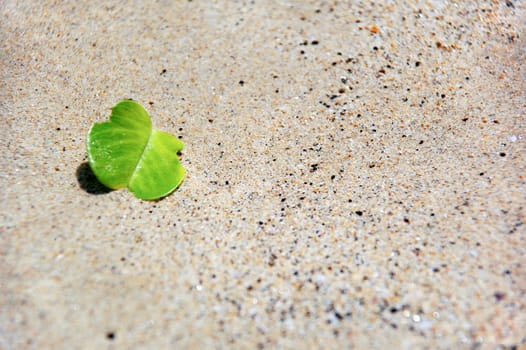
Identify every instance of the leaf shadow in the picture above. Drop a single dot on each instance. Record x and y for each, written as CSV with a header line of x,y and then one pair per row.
x,y
88,181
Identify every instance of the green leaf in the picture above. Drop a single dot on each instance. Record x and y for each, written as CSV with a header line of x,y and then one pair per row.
x,y
127,152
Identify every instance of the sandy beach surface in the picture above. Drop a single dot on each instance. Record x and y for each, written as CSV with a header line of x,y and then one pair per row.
x,y
355,175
